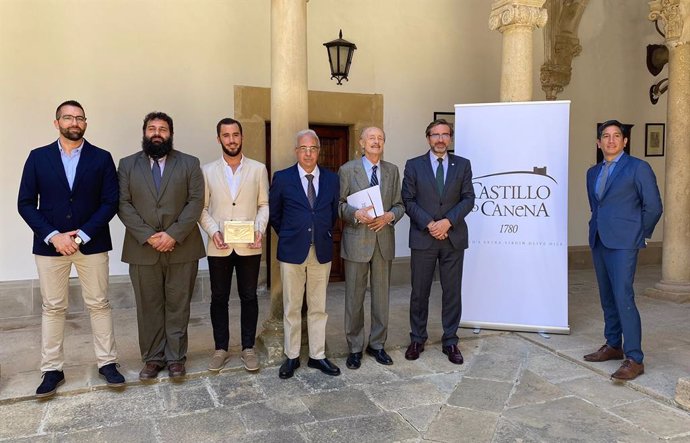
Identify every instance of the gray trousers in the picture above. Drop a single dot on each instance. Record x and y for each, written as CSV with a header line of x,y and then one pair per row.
x,y
378,272
163,293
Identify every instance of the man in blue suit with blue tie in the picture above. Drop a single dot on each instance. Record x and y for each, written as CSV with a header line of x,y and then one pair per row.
x,y
303,208
626,206
68,195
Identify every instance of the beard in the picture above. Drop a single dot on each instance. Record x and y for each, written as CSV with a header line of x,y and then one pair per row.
x,y
73,133
230,153
157,149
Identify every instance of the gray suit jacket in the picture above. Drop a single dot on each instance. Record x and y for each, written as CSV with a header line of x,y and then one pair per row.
x,y
358,241
175,210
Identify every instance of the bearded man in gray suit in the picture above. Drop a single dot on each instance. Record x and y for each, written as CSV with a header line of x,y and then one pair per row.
x,y
368,246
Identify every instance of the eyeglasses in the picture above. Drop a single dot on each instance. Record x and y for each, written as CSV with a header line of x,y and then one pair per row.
x,y
445,135
307,149
72,118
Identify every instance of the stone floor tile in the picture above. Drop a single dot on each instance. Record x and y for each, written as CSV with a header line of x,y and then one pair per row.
x,y
492,366
214,425
286,435
437,362
446,383
369,373
21,385
510,432
270,384
134,432
420,417
101,408
652,416
347,402
555,369
384,427
44,438
21,419
315,380
532,388
481,394
405,368
573,419
190,396
601,391
275,413
235,389
406,394
455,425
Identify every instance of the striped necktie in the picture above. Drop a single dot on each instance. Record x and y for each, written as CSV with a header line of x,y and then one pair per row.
x,y
374,179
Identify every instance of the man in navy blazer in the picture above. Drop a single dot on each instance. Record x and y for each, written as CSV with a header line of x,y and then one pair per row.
x,y
626,206
437,193
68,195
303,208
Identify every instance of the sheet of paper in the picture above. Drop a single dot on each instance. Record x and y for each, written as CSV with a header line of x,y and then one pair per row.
x,y
368,197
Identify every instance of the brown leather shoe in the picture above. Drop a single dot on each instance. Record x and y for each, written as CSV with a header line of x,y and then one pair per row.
x,y
629,370
605,353
414,350
176,371
454,354
150,370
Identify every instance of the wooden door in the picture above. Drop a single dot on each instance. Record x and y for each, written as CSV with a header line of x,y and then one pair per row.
x,y
335,142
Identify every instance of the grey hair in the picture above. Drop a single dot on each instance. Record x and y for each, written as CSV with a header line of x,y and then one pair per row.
x,y
304,132
361,134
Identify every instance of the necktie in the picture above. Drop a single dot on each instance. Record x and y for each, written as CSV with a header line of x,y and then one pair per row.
x,y
311,192
156,172
439,176
601,183
374,179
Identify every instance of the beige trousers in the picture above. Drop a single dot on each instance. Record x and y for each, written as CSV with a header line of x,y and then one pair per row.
x,y
53,274
314,276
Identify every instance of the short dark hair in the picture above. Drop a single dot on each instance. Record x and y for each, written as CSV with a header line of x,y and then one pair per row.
x,y
74,103
228,121
155,115
608,123
437,122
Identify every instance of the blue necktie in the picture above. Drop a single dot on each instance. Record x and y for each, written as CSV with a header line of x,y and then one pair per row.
x,y
439,176
156,172
601,183
374,179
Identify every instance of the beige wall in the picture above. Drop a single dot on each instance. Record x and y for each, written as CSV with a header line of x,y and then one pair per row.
x,y
123,58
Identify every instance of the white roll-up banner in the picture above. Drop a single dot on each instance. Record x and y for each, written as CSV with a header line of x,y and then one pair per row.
x,y
516,268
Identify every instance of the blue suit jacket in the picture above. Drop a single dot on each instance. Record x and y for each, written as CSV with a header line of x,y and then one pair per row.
x,y
630,206
423,204
47,203
292,217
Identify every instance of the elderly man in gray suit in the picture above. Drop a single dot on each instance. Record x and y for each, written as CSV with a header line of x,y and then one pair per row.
x,y
368,246
161,198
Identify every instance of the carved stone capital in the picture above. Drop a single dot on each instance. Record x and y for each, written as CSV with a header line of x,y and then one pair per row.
x,y
508,13
675,17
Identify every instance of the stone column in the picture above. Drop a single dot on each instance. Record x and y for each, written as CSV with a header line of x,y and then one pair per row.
x,y
289,114
516,20
675,271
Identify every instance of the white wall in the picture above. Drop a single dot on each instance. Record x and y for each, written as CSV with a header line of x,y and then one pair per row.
x,y
124,58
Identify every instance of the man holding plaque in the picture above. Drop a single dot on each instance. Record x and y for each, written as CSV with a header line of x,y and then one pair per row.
x,y
368,245
161,198
235,216
303,201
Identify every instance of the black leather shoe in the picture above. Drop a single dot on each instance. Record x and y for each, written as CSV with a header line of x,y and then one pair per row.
x,y
354,360
287,369
454,354
380,356
50,383
414,350
324,366
111,375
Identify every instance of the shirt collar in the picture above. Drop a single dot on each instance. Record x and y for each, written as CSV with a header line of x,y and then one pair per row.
x,y
74,151
434,157
368,164
302,172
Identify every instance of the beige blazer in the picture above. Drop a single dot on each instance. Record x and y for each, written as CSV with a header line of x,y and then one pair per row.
x,y
251,202
358,241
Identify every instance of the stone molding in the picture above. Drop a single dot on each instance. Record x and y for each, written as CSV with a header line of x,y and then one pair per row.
x,y
509,13
674,14
561,44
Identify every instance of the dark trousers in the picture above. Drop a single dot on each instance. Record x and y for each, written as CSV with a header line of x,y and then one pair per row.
x,y
163,293
423,264
220,271
615,269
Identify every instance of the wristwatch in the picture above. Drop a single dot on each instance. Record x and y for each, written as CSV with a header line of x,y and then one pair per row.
x,y
78,240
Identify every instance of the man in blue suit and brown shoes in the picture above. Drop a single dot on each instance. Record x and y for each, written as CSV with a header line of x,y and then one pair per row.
x,y
626,206
67,196
303,208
